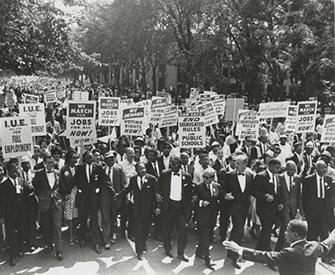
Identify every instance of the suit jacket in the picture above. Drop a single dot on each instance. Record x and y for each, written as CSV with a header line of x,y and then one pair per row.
x,y
267,146
160,160
240,203
204,194
262,185
217,165
39,166
151,171
253,154
45,193
292,199
300,259
296,159
164,187
189,170
12,204
310,200
144,198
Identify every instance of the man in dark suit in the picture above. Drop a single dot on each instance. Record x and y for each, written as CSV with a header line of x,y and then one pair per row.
x,y
290,183
236,190
116,181
296,156
318,197
144,187
298,259
175,186
188,168
266,189
219,163
263,144
206,211
89,178
48,191
250,150
14,192
165,158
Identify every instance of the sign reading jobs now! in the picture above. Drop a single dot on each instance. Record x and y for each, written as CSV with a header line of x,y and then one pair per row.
x,y
328,132
273,109
80,123
36,112
158,106
109,111
306,116
247,125
291,119
192,130
132,122
170,117
210,113
16,138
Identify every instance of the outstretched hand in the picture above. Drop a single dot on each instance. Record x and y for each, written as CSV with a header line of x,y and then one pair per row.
x,y
231,245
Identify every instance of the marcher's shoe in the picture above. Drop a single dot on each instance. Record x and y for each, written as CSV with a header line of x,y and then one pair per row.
x,y
113,241
201,256
140,257
107,246
59,255
32,249
12,262
145,248
21,254
49,249
97,249
82,243
132,239
183,258
209,263
236,265
169,253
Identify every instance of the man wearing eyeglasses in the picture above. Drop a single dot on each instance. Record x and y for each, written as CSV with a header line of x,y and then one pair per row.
x,y
207,208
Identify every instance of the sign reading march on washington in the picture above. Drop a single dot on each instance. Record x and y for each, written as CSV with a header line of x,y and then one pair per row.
x,y
306,116
192,130
80,123
36,112
132,121
16,138
328,132
109,114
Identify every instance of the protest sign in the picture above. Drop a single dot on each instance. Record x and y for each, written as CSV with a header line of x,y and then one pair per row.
x,y
158,106
232,107
328,131
306,116
109,111
205,98
247,125
80,122
87,82
210,113
16,138
291,119
132,122
2,100
192,130
10,99
50,97
36,112
219,104
273,109
170,117
30,98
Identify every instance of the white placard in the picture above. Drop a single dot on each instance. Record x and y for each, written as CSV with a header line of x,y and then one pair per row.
x,y
170,117
36,112
247,125
109,111
273,109
328,131
132,121
306,116
192,130
211,116
291,119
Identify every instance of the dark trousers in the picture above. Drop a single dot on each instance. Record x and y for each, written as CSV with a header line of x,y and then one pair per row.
x,y
52,226
109,212
237,232
89,208
15,235
175,215
319,225
204,229
224,221
126,211
142,226
281,243
264,241
31,217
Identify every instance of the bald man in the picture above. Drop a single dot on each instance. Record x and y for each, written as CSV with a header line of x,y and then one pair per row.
x,y
318,199
290,184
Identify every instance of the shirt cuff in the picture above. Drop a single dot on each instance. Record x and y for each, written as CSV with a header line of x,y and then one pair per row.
x,y
240,251
200,203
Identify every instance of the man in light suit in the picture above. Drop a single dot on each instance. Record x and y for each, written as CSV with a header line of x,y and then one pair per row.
x,y
298,259
290,183
175,186
48,191
236,189
109,207
144,187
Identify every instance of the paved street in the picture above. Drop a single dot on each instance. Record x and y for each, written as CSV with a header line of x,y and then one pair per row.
x,y
121,259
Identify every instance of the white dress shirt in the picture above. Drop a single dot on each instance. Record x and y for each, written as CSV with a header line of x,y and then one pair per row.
x,y
166,161
273,179
176,189
287,179
320,191
140,182
88,172
242,181
109,173
16,185
51,178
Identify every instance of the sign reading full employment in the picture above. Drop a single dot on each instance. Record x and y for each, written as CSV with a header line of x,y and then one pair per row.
x,y
210,113
273,109
132,122
328,132
16,138
306,116
247,125
170,117
158,106
109,111
192,130
291,119
36,112
80,122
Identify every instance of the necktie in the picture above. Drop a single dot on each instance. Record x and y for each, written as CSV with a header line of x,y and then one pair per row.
x,y
240,174
290,184
209,189
176,174
50,171
155,169
321,189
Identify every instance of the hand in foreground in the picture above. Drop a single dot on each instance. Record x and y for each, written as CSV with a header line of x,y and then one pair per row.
x,y
194,199
116,196
229,197
159,198
269,198
157,211
205,203
231,245
280,207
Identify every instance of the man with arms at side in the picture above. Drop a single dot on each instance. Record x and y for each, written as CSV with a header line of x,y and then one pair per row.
x,y
298,259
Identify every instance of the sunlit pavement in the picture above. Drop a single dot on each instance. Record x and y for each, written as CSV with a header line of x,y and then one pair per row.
x,y
121,259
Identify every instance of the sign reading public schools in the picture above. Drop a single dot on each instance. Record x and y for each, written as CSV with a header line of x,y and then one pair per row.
x,y
36,112
80,123
306,116
328,132
16,138
192,130
132,122
109,111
